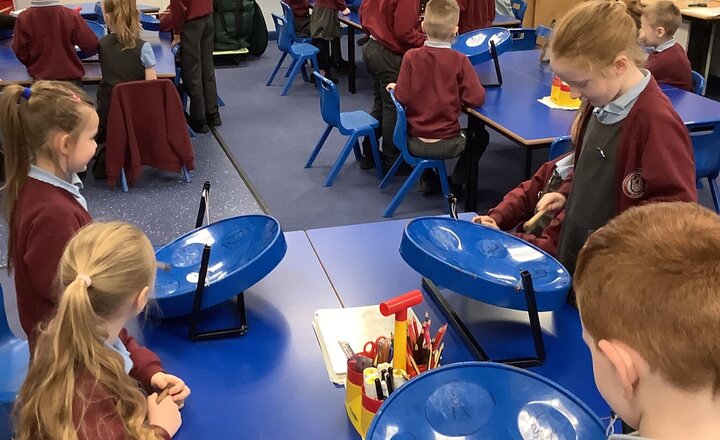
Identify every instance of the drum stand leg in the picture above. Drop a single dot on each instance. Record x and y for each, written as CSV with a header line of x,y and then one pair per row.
x,y
204,195
496,61
194,334
477,351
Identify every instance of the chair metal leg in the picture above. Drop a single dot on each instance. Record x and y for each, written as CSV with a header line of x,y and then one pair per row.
x,y
376,155
318,146
352,140
123,180
391,172
400,196
277,67
185,172
293,74
714,192
444,183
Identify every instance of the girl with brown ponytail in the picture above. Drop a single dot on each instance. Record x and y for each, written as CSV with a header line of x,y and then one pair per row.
x,y
78,385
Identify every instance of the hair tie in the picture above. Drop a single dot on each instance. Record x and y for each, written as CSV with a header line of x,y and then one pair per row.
x,y
75,97
26,93
85,278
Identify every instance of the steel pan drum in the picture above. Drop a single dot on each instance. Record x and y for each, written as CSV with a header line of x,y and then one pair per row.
x,y
476,44
243,250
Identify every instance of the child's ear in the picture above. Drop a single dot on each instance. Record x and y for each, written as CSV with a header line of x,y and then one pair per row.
x,y
624,363
422,26
61,143
621,63
455,32
142,299
661,32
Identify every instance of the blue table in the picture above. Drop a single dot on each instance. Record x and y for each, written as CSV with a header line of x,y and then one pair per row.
x,y
12,71
272,382
352,22
365,267
513,111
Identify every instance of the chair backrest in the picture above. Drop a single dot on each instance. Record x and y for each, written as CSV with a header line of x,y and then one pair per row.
x,y
559,146
289,19
523,39
400,134
698,83
329,100
284,38
519,7
705,141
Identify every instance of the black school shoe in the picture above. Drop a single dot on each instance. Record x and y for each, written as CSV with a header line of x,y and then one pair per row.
x,y
429,182
198,127
341,65
214,120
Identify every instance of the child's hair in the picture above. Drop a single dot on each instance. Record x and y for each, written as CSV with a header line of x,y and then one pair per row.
x,y
635,10
651,278
593,33
118,260
28,119
664,14
441,19
124,17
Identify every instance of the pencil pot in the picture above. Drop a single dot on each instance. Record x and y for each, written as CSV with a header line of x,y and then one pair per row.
x,y
353,393
370,406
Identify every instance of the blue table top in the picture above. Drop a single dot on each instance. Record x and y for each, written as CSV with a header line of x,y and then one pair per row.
x,y
514,111
272,382
354,20
365,267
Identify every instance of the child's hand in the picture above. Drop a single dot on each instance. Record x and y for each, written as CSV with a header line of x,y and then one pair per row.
x,y
175,40
178,390
390,86
165,414
485,220
551,202
346,11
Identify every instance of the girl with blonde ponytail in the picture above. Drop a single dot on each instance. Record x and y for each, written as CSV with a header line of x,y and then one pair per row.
x,y
78,385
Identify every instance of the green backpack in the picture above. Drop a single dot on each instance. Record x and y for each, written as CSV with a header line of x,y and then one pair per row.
x,y
239,24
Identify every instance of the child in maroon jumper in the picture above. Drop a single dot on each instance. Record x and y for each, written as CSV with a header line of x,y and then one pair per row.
x,y
475,14
45,37
668,63
435,82
324,28
301,16
83,383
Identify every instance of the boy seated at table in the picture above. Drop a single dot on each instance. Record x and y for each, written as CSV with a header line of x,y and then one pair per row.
x,y
648,290
518,207
668,62
434,84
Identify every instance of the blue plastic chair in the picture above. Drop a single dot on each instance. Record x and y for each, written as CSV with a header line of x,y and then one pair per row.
x,y
400,138
299,52
14,360
290,20
354,124
698,83
519,7
559,146
526,38
705,141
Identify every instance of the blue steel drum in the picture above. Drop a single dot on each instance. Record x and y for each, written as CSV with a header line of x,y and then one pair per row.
x,y
483,263
476,44
243,250
483,400
98,29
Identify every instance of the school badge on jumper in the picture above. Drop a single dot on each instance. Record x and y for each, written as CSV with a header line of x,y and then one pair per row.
x,y
634,184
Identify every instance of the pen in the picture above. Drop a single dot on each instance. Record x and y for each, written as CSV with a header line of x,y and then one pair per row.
x,y
378,389
390,385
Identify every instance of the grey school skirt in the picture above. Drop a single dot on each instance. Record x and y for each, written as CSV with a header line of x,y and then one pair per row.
x,y
324,23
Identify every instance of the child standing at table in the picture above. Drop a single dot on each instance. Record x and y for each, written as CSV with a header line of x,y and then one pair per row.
x,y
78,386
668,62
475,14
647,290
48,136
193,27
394,28
124,56
324,28
633,148
301,16
45,37
434,83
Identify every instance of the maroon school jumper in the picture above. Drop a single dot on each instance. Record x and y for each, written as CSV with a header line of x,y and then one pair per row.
x,y
300,8
434,84
394,23
185,10
671,66
44,41
475,14
518,206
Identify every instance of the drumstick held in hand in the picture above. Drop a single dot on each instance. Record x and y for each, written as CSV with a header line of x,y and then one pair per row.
x,y
163,394
530,224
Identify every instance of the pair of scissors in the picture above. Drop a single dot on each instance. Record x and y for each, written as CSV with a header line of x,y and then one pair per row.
x,y
370,349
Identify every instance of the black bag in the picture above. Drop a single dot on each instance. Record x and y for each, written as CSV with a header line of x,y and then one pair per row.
x,y
259,37
233,24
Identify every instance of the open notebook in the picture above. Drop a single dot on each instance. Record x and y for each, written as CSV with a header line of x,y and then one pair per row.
x,y
355,325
